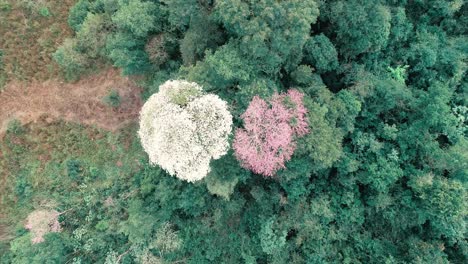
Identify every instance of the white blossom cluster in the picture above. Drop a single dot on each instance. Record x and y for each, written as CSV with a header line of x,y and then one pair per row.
x,y
182,129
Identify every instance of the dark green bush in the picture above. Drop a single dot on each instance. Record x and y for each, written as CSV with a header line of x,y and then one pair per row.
x,y
15,127
112,99
44,11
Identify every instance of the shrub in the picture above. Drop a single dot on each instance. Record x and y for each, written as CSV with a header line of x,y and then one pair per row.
x,y
271,240
303,75
365,29
92,36
320,53
203,34
225,176
74,169
127,52
44,11
77,14
5,6
15,127
166,239
182,129
112,99
267,140
73,62
399,73
138,17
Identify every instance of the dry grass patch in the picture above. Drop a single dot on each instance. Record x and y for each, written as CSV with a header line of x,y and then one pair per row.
x,y
30,32
80,102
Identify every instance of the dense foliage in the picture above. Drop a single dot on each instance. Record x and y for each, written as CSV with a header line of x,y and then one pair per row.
x,y
380,177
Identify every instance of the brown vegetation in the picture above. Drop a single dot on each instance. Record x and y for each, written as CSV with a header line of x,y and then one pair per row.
x,y
79,102
28,37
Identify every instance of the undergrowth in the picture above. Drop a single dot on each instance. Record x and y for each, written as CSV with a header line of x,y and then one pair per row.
x,y
30,32
50,160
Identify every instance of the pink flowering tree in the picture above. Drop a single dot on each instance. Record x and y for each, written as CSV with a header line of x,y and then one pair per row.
x,y
267,140
41,222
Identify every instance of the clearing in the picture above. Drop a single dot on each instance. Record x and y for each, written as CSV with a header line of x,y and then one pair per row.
x,y
79,102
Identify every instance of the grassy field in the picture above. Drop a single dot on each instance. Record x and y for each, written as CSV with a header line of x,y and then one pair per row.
x,y
48,157
31,30
63,132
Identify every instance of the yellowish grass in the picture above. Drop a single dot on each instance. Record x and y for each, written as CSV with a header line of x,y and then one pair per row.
x,y
79,102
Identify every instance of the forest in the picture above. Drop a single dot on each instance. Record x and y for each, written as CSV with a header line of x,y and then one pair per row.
x,y
234,131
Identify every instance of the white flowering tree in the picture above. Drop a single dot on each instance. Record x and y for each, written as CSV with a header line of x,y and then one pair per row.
x,y
182,129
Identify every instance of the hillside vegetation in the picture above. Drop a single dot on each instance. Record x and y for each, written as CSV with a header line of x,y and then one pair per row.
x,y
300,131
31,30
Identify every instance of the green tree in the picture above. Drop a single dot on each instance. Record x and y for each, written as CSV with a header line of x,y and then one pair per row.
x,y
138,17
222,69
71,59
202,35
78,13
269,32
360,26
54,250
92,36
127,52
320,53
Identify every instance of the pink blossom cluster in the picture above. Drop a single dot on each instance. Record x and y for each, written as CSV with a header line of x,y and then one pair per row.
x,y
41,222
267,140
